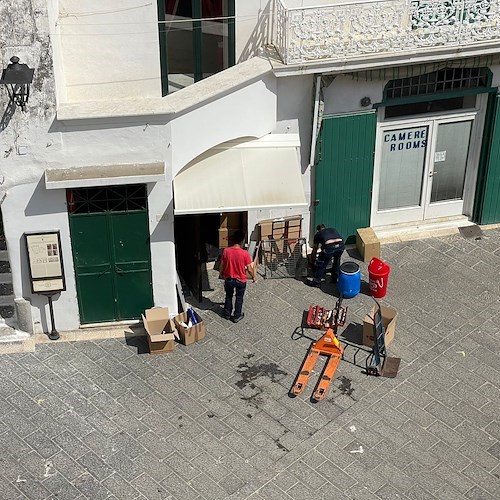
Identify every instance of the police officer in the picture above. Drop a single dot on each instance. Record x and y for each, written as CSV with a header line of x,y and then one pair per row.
x,y
332,247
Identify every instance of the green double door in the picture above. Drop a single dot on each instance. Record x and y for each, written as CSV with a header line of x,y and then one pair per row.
x,y
112,264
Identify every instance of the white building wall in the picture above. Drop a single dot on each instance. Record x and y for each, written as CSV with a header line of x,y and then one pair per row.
x,y
247,112
31,208
108,49
254,27
35,141
344,94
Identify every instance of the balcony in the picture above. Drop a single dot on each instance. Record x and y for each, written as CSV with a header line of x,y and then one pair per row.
x,y
371,34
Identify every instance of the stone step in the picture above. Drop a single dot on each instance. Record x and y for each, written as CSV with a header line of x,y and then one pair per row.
x,y
4,266
9,334
5,277
6,289
7,311
4,255
6,300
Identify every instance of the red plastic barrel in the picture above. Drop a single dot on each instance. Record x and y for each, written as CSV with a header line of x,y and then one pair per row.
x,y
378,272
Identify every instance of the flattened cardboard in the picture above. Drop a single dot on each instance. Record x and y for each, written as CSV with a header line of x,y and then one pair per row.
x,y
189,335
389,317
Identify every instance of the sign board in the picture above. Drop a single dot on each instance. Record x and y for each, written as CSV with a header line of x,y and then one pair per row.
x,y
45,262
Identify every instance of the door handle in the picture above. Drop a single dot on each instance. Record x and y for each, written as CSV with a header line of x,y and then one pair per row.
x,y
432,173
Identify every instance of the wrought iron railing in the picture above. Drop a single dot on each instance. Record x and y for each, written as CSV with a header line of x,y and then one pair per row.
x,y
350,31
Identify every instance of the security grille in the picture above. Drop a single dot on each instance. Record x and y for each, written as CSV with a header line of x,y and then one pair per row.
x,y
127,198
444,80
284,258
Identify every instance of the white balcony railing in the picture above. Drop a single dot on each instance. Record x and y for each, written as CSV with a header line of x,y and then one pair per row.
x,y
359,30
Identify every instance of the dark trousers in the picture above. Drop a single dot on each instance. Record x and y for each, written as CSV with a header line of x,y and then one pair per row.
x,y
328,252
232,285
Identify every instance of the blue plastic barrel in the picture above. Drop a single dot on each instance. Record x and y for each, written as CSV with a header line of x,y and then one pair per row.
x,y
349,280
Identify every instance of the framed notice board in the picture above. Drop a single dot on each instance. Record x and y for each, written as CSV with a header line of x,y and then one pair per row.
x,y
45,262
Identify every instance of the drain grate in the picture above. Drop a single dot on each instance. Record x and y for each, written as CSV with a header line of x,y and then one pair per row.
x,y
471,232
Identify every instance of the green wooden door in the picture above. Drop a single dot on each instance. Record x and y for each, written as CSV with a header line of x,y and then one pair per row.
x,y
110,239
132,268
487,200
344,172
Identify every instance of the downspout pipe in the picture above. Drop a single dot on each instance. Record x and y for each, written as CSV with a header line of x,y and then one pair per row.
x,y
313,150
315,121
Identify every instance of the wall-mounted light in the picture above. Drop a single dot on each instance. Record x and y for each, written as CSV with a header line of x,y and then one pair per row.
x,y
366,101
17,78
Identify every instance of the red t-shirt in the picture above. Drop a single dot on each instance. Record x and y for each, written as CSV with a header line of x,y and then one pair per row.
x,y
234,260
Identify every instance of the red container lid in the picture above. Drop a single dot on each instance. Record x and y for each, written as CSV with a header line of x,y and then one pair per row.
x,y
378,266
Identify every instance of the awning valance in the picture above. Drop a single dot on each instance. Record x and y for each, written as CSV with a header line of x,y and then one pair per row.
x,y
264,173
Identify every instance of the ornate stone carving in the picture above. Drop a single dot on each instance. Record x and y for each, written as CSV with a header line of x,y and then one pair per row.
x,y
386,27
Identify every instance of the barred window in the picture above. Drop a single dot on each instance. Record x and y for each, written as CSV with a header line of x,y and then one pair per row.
x,y
106,199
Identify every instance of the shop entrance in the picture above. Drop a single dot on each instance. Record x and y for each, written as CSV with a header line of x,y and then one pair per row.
x,y
424,168
110,240
199,239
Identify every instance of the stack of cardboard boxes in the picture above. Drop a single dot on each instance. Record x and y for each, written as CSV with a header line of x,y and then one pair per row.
x,y
229,223
162,331
280,234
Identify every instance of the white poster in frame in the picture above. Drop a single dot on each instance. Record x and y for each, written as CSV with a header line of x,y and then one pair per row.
x,y
45,262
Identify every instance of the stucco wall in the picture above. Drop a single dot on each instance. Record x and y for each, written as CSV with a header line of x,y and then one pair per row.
x,y
33,141
344,94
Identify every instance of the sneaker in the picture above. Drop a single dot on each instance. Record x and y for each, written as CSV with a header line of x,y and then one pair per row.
x,y
313,284
239,318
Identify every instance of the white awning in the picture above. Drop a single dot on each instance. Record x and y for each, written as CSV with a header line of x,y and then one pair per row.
x,y
264,173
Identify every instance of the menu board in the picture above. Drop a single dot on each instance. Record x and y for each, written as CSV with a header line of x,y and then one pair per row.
x,y
45,261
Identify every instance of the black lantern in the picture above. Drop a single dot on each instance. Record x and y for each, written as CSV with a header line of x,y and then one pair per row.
x,y
17,78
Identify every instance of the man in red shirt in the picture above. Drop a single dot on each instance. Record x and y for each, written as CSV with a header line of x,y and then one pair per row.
x,y
235,262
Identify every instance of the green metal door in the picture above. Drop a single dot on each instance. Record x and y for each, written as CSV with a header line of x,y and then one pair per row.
x,y
344,172
110,239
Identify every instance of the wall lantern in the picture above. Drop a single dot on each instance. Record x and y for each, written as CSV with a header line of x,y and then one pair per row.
x,y
17,78
366,101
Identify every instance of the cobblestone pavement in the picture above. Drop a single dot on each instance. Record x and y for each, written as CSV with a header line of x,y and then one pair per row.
x,y
213,420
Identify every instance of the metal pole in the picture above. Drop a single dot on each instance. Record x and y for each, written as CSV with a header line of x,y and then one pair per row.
x,y
53,335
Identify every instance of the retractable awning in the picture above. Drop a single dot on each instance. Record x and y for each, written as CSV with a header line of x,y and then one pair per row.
x,y
264,173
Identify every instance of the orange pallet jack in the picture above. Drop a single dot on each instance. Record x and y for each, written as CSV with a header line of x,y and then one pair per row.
x,y
328,345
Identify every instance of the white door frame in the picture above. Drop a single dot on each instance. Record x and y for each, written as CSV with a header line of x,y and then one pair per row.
x,y
426,210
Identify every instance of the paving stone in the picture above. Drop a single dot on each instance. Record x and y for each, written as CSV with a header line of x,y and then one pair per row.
x,y
388,492
476,493
32,488
90,487
60,487
95,465
120,487
480,476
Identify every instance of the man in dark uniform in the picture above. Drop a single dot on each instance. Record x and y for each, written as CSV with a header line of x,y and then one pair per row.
x,y
332,247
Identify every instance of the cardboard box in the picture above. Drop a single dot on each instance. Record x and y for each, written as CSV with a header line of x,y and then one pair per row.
x,y
189,335
223,237
274,229
231,219
160,330
389,317
225,234
367,243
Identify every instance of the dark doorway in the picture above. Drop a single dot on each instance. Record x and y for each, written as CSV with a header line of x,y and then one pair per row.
x,y
199,240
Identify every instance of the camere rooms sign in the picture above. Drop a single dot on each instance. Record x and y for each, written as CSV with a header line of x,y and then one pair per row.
x,y
45,261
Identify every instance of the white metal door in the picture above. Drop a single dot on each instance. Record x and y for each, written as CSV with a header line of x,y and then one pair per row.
x,y
420,169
